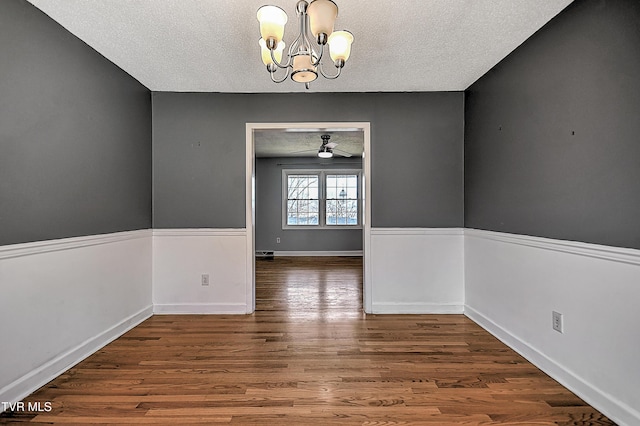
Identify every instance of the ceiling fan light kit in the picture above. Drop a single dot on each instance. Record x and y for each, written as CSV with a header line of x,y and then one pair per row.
x,y
325,153
315,21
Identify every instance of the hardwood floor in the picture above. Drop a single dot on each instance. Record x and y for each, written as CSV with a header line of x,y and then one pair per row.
x,y
308,356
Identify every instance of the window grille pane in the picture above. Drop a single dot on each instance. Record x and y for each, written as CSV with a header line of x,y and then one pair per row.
x,y
342,199
331,192
302,199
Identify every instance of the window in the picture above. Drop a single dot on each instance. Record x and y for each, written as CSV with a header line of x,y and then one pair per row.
x,y
321,199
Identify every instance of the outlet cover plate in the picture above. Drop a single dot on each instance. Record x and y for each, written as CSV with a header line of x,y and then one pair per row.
x,y
557,321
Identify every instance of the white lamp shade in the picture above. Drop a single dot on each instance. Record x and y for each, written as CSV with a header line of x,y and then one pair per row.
x,y
266,53
272,20
303,71
340,45
325,154
322,16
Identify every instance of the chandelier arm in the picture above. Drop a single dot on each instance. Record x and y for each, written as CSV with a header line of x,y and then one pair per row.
x,y
307,36
273,76
278,64
304,31
316,63
330,77
294,47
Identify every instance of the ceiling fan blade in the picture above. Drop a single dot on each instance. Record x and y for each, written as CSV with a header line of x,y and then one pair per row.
x,y
342,153
331,145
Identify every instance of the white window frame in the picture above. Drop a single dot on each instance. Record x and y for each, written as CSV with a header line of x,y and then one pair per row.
x,y
322,196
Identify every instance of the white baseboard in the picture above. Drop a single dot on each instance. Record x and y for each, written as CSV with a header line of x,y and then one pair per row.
x,y
357,253
416,308
200,308
619,412
43,374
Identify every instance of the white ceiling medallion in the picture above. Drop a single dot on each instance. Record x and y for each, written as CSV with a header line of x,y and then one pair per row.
x,y
315,22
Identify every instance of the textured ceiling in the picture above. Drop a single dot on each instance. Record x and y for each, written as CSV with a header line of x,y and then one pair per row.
x,y
212,45
295,143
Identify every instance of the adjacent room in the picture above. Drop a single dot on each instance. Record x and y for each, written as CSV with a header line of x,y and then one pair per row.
x,y
204,219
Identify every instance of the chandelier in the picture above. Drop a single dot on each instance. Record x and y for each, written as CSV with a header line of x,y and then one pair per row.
x,y
303,61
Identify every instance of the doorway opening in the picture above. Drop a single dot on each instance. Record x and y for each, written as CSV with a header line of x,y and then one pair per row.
x,y
299,145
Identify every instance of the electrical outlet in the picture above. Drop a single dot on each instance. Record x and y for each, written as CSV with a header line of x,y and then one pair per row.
x,y
205,279
278,240
557,321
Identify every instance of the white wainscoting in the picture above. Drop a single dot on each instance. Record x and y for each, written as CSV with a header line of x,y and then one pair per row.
x,y
181,256
62,300
514,282
417,270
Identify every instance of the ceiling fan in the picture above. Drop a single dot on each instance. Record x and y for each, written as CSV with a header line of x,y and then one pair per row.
x,y
327,148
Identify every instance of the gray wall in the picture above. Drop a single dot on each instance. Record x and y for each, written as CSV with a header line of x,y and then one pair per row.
x,y
552,135
416,153
269,209
75,135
